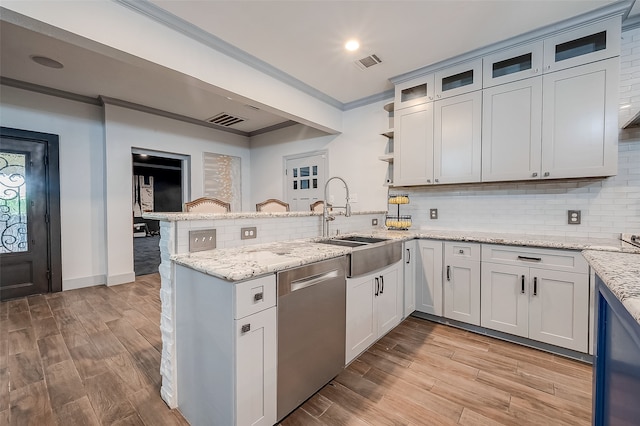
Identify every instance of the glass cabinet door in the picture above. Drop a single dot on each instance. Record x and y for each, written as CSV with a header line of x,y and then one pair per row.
x,y
513,64
583,45
459,79
414,92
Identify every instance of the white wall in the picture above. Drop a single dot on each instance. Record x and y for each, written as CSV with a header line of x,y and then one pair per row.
x,y
81,134
353,155
126,129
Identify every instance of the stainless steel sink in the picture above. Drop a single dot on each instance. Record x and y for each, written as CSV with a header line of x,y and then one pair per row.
x,y
368,254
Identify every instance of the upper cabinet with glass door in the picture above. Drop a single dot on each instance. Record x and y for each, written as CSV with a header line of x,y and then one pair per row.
x,y
414,92
591,43
459,79
513,64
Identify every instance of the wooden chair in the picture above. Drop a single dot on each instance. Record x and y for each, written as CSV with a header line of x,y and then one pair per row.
x,y
207,205
272,205
318,206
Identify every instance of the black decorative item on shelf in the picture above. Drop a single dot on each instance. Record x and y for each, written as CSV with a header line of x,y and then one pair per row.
x,y
398,222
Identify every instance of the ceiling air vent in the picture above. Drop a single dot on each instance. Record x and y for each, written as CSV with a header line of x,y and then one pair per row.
x,y
368,61
224,119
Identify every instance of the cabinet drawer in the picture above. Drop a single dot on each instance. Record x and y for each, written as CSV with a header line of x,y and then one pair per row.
x,y
559,260
462,250
255,295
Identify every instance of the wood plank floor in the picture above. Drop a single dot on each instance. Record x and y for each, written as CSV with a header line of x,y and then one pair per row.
x,y
92,357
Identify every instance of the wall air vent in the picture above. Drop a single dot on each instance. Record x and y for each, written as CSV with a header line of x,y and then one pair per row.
x,y
368,62
225,120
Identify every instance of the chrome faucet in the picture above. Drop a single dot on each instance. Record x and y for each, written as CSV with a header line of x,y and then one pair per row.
x,y
326,217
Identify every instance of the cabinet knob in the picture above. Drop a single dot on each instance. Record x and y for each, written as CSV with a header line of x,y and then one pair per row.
x,y
546,174
246,328
461,251
428,180
534,174
438,96
535,71
437,180
258,297
430,98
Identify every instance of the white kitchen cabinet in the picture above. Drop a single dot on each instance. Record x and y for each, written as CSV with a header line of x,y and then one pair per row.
x,y
410,261
512,131
591,43
428,277
413,145
414,92
458,79
457,139
513,64
580,121
539,294
374,307
461,288
226,349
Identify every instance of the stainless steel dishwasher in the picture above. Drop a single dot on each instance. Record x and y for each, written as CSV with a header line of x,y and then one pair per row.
x,y
311,330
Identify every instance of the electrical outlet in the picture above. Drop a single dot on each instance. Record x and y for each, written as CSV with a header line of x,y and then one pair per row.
x,y
573,217
248,233
203,239
374,222
433,213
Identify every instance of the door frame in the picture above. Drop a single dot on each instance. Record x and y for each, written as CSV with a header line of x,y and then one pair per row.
x,y
186,168
285,158
54,240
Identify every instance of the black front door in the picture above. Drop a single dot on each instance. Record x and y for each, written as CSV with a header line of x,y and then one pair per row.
x,y
24,230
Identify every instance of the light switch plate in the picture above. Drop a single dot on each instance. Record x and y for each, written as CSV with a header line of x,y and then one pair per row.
x,y
433,213
201,240
374,222
573,217
248,233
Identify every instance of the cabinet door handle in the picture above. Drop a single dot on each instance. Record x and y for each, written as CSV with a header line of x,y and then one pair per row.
x,y
381,284
377,286
437,180
428,180
534,174
246,328
448,273
535,286
408,256
530,259
258,297
546,174
522,285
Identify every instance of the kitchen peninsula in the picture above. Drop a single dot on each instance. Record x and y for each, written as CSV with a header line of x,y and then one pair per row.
x,y
255,260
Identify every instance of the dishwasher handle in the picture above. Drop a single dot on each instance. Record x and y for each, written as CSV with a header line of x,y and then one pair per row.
x,y
313,280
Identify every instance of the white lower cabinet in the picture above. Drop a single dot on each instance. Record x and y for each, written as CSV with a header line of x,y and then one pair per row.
x,y
462,282
539,294
374,306
226,349
428,277
410,260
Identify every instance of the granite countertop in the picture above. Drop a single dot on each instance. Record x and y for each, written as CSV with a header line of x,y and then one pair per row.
x,y
620,272
240,263
178,216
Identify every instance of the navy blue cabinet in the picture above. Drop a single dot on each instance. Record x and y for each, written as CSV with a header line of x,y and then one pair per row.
x,y
616,378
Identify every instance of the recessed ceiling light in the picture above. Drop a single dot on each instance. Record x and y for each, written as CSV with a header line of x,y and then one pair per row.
x,y
352,45
47,62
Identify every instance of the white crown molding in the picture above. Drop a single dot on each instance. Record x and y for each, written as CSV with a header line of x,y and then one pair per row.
x,y
620,8
18,84
386,95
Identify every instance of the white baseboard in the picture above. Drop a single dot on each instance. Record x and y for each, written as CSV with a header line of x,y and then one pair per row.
x,y
129,277
75,283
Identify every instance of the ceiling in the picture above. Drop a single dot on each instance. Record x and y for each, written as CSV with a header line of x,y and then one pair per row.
x,y
301,42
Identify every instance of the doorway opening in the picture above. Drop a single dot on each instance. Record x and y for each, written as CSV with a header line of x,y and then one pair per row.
x,y
158,185
30,241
